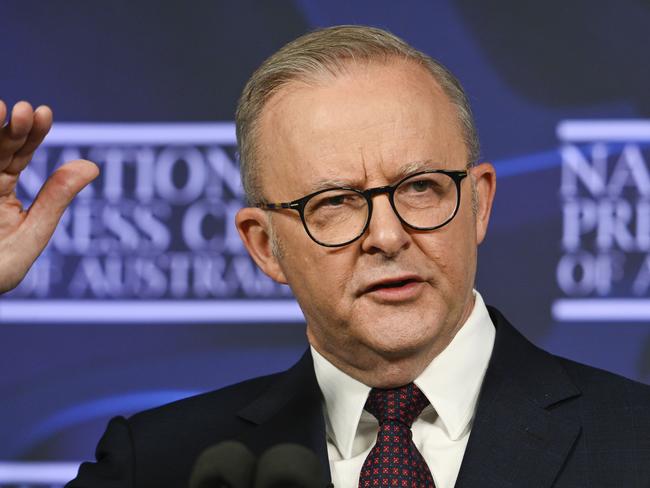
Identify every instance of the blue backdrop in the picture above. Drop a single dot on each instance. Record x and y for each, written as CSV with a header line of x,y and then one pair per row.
x,y
145,294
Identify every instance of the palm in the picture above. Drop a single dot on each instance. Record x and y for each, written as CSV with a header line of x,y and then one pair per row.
x,y
25,233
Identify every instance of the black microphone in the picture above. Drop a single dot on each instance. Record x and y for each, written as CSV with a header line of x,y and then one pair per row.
x,y
289,466
228,464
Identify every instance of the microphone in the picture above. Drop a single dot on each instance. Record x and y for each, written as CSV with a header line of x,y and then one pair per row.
x,y
289,466
228,464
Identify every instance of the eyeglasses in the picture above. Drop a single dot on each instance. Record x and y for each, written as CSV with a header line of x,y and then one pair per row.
x,y
335,217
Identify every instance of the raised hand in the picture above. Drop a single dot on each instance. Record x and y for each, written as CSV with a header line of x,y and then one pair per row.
x,y
25,233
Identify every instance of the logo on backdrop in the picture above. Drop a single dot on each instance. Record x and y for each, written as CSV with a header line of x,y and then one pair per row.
x,y
157,225
604,268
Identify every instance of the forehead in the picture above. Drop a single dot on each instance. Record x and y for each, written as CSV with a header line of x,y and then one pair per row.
x,y
365,126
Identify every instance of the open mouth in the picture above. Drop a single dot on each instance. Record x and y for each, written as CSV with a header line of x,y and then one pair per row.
x,y
391,284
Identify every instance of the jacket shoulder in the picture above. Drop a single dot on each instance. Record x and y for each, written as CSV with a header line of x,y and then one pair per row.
x,y
227,401
606,388
158,447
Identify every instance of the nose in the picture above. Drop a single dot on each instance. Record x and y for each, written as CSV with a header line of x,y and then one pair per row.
x,y
385,233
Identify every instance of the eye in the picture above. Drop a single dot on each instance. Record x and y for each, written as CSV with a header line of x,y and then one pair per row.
x,y
425,186
421,185
335,200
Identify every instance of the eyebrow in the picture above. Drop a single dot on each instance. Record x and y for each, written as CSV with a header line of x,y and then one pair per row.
x,y
325,183
403,172
414,167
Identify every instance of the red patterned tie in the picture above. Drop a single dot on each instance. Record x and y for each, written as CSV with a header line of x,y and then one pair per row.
x,y
394,460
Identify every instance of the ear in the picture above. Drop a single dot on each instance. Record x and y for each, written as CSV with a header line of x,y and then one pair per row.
x,y
253,227
485,181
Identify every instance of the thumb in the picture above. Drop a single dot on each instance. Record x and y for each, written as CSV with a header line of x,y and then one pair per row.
x,y
50,203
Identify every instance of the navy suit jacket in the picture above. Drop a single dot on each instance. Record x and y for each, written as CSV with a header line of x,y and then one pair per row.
x,y
541,421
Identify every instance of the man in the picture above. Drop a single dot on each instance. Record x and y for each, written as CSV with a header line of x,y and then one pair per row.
x,y
359,159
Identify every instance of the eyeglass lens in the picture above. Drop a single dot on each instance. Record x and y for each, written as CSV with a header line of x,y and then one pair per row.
x,y
423,201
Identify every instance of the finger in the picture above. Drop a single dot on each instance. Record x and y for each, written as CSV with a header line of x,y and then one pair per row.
x,y
3,113
13,135
41,126
49,205
20,123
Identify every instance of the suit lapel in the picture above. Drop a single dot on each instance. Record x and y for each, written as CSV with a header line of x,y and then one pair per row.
x,y
521,435
290,411
517,439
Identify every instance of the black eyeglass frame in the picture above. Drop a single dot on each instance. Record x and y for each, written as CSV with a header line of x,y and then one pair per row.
x,y
299,205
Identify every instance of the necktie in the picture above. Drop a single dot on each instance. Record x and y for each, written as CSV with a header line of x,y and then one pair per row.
x,y
394,461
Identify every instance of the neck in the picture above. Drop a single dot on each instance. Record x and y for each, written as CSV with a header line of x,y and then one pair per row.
x,y
379,369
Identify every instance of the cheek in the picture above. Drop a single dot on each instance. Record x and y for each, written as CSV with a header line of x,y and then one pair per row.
x,y
317,272
461,259
451,255
335,276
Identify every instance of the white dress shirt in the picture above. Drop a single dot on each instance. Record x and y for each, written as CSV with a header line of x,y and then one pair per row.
x,y
451,382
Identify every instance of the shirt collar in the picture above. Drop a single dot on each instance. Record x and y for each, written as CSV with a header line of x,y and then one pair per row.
x,y
453,379
344,398
451,382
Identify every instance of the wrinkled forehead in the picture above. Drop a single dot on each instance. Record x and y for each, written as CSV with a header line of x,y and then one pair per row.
x,y
368,123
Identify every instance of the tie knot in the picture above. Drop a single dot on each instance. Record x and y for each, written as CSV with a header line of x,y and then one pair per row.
x,y
403,404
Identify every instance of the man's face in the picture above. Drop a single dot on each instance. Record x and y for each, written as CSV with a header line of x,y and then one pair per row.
x,y
362,129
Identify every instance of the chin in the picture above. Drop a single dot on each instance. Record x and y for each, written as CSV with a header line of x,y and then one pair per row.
x,y
395,375
384,336
395,349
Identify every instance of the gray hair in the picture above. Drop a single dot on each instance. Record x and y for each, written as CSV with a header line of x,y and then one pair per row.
x,y
328,51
